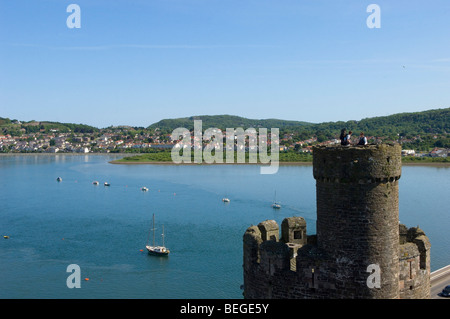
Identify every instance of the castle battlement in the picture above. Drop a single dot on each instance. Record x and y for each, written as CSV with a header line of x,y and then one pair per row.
x,y
357,228
369,164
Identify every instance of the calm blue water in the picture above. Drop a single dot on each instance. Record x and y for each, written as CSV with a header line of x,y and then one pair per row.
x,y
103,229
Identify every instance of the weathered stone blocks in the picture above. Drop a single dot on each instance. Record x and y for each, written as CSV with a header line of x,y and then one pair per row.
x,y
357,226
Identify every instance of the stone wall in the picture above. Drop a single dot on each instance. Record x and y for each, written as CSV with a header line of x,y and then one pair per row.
x,y
414,258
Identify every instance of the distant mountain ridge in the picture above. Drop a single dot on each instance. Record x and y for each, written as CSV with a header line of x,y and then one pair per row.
x,y
14,127
412,123
431,121
224,121
435,121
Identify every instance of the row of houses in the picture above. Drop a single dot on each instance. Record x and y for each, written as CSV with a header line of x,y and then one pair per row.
x,y
70,143
55,142
436,152
440,152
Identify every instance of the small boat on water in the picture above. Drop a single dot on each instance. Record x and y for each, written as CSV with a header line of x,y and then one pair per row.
x,y
275,204
59,179
107,184
154,249
95,182
144,189
225,200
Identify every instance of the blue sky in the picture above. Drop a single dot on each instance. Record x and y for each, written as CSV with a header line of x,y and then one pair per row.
x,y
136,62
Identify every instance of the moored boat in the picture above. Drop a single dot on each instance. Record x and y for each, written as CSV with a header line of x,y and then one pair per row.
x,y
154,249
275,204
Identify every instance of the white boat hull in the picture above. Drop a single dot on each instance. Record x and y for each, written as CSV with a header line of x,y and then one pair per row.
x,y
157,250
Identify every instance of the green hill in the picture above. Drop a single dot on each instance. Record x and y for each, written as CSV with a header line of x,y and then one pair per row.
x,y
15,127
405,125
223,122
426,122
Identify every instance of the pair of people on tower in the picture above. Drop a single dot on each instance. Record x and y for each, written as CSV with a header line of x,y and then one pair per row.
x,y
346,138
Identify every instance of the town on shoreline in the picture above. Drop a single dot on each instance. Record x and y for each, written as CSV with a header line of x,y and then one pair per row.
x,y
155,147
423,136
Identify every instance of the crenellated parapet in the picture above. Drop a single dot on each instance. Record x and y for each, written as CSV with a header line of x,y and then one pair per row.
x,y
293,266
379,163
414,261
263,244
270,256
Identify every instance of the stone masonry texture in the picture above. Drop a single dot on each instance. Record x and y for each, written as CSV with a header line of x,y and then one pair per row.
x,y
357,228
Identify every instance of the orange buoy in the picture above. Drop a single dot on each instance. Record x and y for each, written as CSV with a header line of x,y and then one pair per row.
x,y
141,250
86,279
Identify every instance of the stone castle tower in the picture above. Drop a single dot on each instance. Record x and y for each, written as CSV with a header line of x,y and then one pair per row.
x,y
360,249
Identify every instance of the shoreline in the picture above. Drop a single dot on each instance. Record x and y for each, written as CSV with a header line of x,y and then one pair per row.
x,y
182,164
64,154
418,163
435,164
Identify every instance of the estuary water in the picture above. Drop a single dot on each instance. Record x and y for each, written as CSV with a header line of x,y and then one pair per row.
x,y
103,230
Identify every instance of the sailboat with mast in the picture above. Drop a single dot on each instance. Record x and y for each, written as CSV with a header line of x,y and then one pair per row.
x,y
154,249
275,204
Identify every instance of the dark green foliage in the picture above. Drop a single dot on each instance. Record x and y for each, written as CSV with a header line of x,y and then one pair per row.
x,y
13,128
223,122
392,126
159,155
